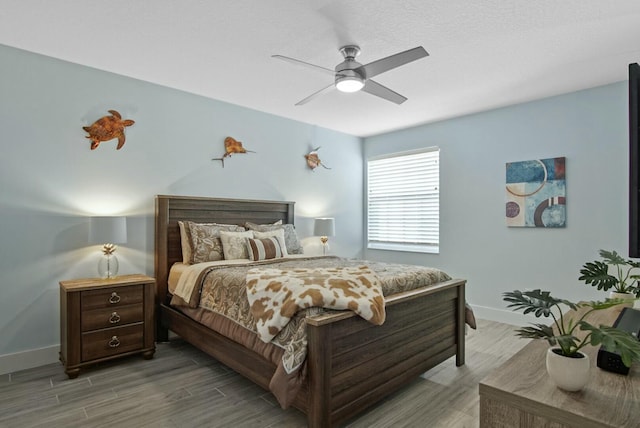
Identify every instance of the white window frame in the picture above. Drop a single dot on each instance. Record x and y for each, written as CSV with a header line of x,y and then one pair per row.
x,y
387,226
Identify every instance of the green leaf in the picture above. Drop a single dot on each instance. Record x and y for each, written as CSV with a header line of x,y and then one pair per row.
x,y
537,331
614,340
536,301
597,274
568,343
612,257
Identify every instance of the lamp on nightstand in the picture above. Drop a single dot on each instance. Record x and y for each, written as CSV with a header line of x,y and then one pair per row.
x,y
324,227
108,231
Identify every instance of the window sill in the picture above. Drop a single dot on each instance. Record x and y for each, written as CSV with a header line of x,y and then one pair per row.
x,y
430,249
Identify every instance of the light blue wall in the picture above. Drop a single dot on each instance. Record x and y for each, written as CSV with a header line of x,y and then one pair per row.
x,y
589,128
52,182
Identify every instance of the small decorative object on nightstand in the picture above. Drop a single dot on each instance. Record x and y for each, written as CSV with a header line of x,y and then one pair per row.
x,y
324,227
102,319
108,231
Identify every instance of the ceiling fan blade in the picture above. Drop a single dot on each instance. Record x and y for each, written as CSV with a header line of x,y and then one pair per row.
x,y
305,64
385,64
374,88
315,94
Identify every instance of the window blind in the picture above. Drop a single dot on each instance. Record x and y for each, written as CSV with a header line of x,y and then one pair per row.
x,y
403,206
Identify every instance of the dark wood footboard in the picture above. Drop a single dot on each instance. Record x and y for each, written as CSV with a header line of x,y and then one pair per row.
x,y
353,364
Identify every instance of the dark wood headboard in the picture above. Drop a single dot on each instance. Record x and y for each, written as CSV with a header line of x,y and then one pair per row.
x,y
171,209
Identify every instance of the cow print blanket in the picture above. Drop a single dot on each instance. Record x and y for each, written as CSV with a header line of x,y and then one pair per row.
x,y
276,295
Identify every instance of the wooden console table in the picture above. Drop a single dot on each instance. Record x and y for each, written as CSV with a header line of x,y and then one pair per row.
x,y
520,393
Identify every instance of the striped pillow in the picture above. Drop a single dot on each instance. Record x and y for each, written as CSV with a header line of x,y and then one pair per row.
x,y
263,249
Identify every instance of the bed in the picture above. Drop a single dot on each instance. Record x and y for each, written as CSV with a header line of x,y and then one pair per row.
x,y
423,327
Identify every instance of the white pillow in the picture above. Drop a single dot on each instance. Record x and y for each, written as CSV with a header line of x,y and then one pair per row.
x,y
234,244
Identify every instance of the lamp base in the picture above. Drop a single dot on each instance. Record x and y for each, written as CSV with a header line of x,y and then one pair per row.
x,y
108,266
325,245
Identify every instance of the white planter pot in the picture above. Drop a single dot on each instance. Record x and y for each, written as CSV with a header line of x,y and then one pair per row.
x,y
628,297
570,374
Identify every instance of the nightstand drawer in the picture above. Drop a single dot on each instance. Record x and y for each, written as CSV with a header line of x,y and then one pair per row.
x,y
112,317
111,297
112,341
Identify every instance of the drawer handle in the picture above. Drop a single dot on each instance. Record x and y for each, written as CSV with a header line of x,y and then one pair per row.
x,y
114,318
114,342
114,298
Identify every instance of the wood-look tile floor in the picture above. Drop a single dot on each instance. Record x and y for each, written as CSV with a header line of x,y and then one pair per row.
x,y
183,387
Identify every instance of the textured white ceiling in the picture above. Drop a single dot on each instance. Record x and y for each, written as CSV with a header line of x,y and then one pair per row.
x,y
483,53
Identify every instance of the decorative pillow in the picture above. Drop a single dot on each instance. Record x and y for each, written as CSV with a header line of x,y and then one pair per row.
x,y
278,234
205,240
234,244
255,226
264,249
185,242
470,316
290,237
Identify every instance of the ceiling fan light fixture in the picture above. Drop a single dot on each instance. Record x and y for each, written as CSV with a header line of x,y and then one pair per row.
x,y
349,84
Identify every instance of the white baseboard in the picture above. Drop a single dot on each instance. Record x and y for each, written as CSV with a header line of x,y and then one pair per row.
x,y
10,363
501,315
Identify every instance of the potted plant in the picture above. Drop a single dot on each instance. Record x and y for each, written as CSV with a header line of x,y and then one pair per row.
x,y
567,366
624,284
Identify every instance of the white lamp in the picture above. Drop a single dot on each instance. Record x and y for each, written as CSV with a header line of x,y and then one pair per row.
x,y
324,227
108,231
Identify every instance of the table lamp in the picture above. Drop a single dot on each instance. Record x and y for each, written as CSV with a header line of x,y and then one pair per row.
x,y
108,231
324,227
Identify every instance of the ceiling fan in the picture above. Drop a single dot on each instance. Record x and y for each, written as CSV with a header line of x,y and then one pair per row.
x,y
351,76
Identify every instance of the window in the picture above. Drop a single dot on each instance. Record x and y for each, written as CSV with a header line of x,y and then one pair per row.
x,y
403,201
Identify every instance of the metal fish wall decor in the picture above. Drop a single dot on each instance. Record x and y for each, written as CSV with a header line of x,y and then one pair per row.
x,y
231,146
313,161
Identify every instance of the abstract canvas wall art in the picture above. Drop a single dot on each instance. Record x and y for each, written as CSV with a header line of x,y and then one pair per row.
x,y
536,193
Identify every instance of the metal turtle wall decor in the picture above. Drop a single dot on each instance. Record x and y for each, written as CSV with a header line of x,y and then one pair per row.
x,y
107,128
313,161
231,146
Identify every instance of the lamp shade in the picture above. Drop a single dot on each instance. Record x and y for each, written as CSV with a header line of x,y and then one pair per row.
x,y
324,227
112,230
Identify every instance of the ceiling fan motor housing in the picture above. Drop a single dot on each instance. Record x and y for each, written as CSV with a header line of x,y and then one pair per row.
x,y
350,74
350,51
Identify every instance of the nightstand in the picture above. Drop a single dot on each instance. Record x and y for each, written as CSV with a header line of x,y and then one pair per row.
x,y
102,319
